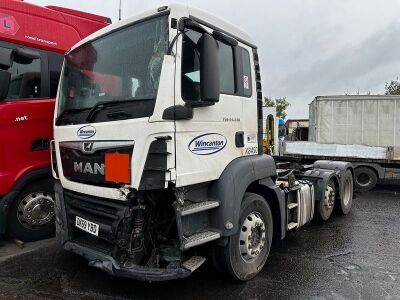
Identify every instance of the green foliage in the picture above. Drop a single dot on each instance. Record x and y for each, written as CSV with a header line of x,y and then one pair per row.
x,y
392,88
281,105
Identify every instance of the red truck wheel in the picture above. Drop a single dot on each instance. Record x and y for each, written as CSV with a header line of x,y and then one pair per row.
x,y
31,216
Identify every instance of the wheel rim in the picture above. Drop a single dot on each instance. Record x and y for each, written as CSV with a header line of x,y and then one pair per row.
x,y
329,198
363,179
347,191
36,210
252,237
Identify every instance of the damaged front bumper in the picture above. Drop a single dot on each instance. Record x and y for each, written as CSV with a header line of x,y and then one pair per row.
x,y
109,265
101,260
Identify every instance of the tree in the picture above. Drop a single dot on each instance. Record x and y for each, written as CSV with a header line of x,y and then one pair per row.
x,y
281,105
268,102
392,88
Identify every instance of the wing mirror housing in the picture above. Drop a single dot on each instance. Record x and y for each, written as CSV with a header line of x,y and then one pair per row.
x,y
209,69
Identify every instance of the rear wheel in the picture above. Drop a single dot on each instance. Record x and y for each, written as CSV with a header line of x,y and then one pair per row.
x,y
247,251
346,199
31,215
325,207
366,179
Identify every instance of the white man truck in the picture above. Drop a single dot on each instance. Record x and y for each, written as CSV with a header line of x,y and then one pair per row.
x,y
158,150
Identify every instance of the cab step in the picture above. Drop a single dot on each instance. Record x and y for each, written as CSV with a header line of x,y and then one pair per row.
x,y
292,225
292,205
193,263
196,207
200,238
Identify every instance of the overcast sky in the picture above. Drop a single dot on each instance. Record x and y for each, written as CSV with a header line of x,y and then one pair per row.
x,y
306,47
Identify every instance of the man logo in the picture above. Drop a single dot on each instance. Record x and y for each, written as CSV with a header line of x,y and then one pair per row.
x,y
87,147
88,168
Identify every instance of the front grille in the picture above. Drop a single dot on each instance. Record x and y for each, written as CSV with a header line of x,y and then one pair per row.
x,y
107,213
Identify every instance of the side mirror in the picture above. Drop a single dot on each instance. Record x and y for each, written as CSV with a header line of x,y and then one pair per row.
x,y
5,78
209,69
25,56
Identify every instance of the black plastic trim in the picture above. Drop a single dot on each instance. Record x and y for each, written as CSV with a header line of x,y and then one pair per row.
x,y
40,144
223,31
259,103
155,168
178,112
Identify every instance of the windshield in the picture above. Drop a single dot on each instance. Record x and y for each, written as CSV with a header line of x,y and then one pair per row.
x,y
122,69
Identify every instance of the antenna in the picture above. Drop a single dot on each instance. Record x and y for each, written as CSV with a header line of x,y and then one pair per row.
x,y
120,4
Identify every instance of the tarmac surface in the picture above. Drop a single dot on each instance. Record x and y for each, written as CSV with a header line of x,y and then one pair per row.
x,y
351,257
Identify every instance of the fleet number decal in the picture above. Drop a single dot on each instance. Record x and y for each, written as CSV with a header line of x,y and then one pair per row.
x,y
253,150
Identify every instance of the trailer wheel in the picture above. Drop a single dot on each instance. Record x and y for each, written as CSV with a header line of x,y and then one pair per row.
x,y
346,199
31,215
247,251
325,207
366,179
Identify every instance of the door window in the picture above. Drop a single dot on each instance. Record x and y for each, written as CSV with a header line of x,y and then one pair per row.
x,y
25,79
247,85
55,65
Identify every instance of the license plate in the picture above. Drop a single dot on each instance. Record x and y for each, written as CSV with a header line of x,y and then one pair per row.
x,y
87,226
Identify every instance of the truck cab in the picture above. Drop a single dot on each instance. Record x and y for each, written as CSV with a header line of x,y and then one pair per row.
x,y
158,149
33,41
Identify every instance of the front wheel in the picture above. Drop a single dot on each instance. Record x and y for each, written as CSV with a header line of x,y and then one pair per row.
x,y
247,251
31,215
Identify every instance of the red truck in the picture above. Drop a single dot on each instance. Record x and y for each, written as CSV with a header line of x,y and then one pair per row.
x,y
33,40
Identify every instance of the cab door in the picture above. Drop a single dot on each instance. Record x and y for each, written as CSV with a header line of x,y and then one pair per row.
x,y
25,118
217,134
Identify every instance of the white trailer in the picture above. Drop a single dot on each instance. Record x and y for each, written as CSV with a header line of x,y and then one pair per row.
x,y
364,130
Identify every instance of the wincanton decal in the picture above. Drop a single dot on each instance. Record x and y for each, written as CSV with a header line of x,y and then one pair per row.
x,y
207,144
86,132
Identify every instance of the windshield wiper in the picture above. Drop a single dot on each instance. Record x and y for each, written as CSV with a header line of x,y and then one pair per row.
x,y
102,105
69,112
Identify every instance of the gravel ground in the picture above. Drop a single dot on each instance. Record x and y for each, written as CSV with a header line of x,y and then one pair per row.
x,y
352,257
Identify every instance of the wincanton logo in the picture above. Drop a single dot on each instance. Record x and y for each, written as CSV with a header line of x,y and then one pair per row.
x,y
86,132
207,144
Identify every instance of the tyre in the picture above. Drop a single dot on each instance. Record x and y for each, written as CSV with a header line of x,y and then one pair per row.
x,y
366,179
247,251
325,207
31,215
346,198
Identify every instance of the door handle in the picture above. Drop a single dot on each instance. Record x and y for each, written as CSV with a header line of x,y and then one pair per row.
x,y
239,139
40,144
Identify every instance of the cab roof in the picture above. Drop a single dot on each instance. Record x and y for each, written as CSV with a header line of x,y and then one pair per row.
x,y
51,28
178,11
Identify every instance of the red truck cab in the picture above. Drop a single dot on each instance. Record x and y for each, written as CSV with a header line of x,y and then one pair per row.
x,y
33,41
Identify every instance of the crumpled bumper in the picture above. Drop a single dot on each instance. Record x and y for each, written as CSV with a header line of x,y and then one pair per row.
x,y
101,260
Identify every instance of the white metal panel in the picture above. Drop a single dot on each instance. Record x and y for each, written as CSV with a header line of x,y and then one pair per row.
x,y
354,132
338,128
336,150
325,121
366,120
386,122
312,121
